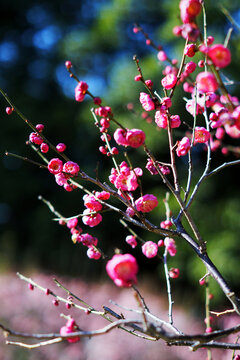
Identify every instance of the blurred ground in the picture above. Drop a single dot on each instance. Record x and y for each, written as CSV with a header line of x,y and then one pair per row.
x,y
33,311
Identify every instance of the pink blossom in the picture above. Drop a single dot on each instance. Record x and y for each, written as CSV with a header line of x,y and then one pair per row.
x,y
175,121
120,137
138,77
91,203
174,273
201,63
80,91
61,147
103,150
160,243
146,203
122,269
9,110
35,138
70,327
91,219
40,127
71,167
68,187
190,31
188,87
88,240
44,148
169,81
202,135
167,102
127,179
149,83
97,100
76,238
131,240
211,99
150,249
146,101
177,30
190,50
103,195
61,178
130,212
103,111
220,132
203,48
68,64
220,55
126,182
190,67
214,144
232,131
138,171
161,119
151,168
164,169
166,224
169,70
208,330
191,108
113,176
135,137
183,146
162,56
206,82
189,9
55,166
105,123
170,246
210,40
72,223
93,253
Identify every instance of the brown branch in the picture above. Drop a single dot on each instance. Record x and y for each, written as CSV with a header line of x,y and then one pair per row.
x,y
213,271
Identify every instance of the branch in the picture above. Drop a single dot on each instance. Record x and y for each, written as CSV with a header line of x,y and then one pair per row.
x,y
170,301
210,267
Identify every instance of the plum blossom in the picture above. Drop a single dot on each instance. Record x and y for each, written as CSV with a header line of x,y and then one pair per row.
x,y
80,91
122,269
170,246
206,82
55,166
174,273
133,137
169,81
91,203
146,101
93,253
183,146
201,135
126,180
131,240
220,55
70,327
146,203
71,167
91,219
150,249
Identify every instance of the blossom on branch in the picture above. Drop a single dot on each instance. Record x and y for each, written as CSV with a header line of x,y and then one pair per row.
x,y
122,269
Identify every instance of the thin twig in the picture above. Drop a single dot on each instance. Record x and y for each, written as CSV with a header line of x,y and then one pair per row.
x,y
170,301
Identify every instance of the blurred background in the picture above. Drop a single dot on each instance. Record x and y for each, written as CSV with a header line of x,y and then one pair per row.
x,y
36,38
